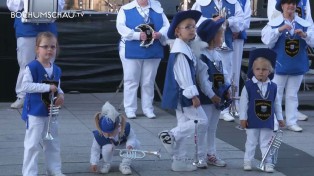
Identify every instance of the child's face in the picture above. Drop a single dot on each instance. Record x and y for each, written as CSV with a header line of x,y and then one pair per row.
x,y
261,69
186,30
218,38
46,50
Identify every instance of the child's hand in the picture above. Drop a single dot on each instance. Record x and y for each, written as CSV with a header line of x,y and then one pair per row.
x,y
281,123
215,99
60,100
156,35
53,88
243,123
196,102
129,147
93,168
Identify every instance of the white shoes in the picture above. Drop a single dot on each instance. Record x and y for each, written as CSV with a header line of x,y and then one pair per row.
x,y
105,168
130,115
201,163
226,117
216,161
150,115
125,169
269,168
167,140
247,166
301,116
182,165
19,102
295,128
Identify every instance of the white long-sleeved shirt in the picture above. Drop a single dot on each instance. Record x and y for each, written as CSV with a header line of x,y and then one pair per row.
x,y
28,86
235,22
244,100
271,35
247,12
129,34
17,5
96,149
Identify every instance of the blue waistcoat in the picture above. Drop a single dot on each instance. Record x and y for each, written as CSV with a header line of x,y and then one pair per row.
x,y
133,50
211,71
32,29
33,104
209,11
172,92
102,140
253,120
287,65
242,34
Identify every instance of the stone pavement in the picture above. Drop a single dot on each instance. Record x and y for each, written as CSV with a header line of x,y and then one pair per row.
x,y
296,155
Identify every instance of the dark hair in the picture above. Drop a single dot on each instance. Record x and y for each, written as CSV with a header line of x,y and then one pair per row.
x,y
289,1
47,35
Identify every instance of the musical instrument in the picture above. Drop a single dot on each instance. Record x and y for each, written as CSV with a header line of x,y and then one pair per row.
x,y
40,11
53,112
222,92
222,12
196,159
272,150
233,108
136,154
148,29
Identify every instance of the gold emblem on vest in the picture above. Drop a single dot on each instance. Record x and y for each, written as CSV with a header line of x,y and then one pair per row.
x,y
292,47
263,109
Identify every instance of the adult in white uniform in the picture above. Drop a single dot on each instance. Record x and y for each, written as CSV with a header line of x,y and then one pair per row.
x,y
140,64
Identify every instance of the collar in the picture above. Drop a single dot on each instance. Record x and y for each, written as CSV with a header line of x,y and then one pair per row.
x,y
207,2
179,46
257,81
280,19
155,5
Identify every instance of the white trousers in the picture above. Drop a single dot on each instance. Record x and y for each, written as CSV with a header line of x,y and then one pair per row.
x,y
213,118
34,135
138,72
236,63
185,130
25,54
257,136
291,85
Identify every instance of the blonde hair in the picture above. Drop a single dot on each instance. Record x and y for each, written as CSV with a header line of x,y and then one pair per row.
x,y
49,36
264,60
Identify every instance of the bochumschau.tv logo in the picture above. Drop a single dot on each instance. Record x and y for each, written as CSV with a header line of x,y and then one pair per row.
x,y
46,15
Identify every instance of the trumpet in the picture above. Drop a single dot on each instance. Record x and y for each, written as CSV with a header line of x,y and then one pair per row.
x,y
136,154
53,112
222,12
233,108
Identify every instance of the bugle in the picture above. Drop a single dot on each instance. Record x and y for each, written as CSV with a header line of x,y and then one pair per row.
x,y
136,154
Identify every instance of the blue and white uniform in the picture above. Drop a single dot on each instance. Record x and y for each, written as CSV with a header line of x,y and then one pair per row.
x,y
35,113
26,37
292,60
140,64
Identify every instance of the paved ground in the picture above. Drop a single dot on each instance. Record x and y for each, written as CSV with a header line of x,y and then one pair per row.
x,y
296,155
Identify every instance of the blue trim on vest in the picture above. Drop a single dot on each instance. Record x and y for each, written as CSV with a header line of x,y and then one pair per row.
x,y
133,50
208,12
172,93
287,65
253,120
242,34
33,104
101,140
32,29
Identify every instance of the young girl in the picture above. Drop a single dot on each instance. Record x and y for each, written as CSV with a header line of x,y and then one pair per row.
x,y
112,129
258,104
210,31
39,81
180,93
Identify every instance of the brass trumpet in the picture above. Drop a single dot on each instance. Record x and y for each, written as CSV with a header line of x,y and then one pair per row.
x,y
53,112
222,12
136,154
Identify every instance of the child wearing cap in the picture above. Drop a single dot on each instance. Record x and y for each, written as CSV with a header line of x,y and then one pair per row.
x,y
180,93
259,103
112,130
212,101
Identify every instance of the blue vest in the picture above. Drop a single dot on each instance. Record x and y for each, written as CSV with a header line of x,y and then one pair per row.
x,y
172,93
209,11
242,34
253,120
286,64
32,29
102,140
133,50
33,104
211,71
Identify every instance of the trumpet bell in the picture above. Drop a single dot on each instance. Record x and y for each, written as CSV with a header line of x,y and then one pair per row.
x,y
48,137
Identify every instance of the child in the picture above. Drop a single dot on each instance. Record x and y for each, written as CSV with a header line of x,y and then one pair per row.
x,y
211,32
258,104
180,93
35,110
112,129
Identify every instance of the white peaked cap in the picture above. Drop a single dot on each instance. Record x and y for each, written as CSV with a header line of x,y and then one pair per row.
x,y
109,111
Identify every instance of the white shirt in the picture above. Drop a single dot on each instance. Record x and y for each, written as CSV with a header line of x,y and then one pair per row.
x,y
17,5
244,100
247,15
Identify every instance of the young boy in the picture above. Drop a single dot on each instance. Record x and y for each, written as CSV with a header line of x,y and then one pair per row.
x,y
180,93
258,105
112,129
